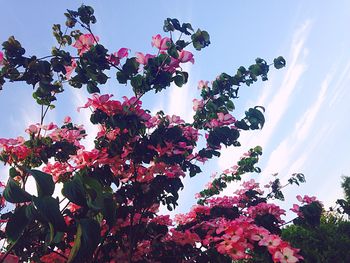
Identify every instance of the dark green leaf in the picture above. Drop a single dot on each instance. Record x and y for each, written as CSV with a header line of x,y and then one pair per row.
x,y
49,209
44,183
74,191
15,194
279,62
86,241
16,224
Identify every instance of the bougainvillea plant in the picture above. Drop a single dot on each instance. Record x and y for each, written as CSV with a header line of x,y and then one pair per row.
x,y
108,209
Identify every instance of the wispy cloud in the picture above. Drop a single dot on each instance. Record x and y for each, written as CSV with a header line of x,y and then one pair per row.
x,y
305,124
297,144
339,85
180,99
279,103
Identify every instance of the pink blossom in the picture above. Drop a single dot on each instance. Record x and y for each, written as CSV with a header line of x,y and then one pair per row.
x,y
1,58
296,210
85,42
67,119
203,85
117,56
143,59
270,241
123,52
49,126
185,56
184,238
162,220
70,69
286,255
161,43
32,129
197,104
222,119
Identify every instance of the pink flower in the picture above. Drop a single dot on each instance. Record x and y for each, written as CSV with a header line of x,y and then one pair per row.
x,y
117,56
161,43
85,42
197,104
306,199
70,69
203,85
143,59
295,209
123,52
32,129
67,119
286,255
1,58
49,127
185,56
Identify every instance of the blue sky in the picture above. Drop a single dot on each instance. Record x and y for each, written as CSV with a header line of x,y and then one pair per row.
x,y
307,103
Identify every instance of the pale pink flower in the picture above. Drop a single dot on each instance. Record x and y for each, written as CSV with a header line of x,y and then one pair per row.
x,y
49,126
285,256
32,129
70,69
160,43
197,104
143,59
85,42
203,85
185,56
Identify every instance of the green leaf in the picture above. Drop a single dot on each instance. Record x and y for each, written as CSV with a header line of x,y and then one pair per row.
x,y
86,241
49,208
122,77
13,193
109,209
179,80
200,39
16,224
44,183
279,62
13,172
172,51
74,191
52,233
77,244
92,88
131,66
136,81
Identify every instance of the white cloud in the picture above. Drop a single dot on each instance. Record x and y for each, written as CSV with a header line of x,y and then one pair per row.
x,y
297,144
339,85
180,99
305,124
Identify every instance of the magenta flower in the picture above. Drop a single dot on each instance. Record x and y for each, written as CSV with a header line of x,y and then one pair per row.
x,y
1,58
117,56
